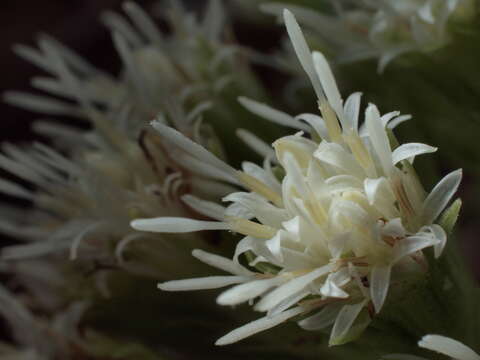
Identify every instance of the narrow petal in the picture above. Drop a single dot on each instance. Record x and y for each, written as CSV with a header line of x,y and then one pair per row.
x,y
440,196
257,326
17,252
302,50
379,284
449,347
247,291
330,87
411,245
176,225
345,319
208,208
322,319
317,123
288,302
378,137
221,263
352,109
438,233
192,148
12,189
256,144
397,121
291,287
271,114
411,150
205,283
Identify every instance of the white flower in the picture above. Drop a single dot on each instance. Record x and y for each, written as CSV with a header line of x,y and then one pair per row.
x,y
85,196
450,347
346,219
440,344
383,29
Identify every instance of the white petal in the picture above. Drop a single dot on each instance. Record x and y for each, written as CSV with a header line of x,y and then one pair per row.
x,y
449,347
378,137
388,116
352,109
302,50
411,245
372,187
275,116
176,225
331,290
410,150
205,283
288,302
321,320
394,228
330,87
244,292
291,287
317,123
221,263
379,284
397,121
12,189
440,196
256,144
439,234
335,155
208,208
143,22
42,104
193,149
257,326
426,13
345,319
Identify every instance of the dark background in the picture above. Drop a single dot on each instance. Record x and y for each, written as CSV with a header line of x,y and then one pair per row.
x,y
73,22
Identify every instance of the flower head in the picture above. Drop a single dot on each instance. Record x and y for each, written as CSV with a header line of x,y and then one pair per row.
x,y
383,29
334,218
85,195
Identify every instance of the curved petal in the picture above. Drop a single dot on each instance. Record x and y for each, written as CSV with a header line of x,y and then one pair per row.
x,y
411,150
257,326
379,284
449,347
440,196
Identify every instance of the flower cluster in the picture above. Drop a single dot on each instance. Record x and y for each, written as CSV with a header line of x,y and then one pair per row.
x,y
383,29
334,219
120,169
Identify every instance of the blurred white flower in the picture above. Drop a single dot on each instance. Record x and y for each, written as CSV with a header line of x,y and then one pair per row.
x,y
345,222
382,29
85,195
440,344
449,347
